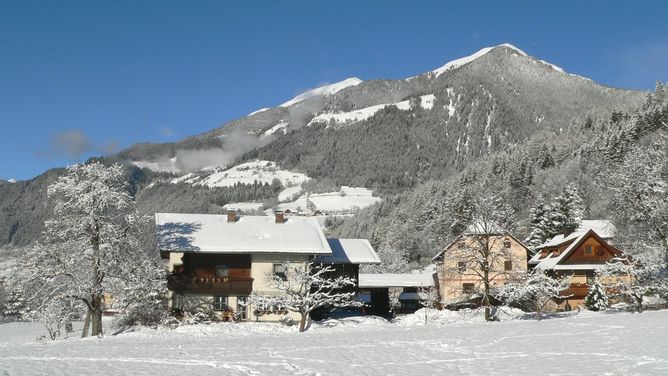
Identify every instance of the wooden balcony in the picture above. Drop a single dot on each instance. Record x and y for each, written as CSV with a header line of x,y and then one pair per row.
x,y
221,285
576,290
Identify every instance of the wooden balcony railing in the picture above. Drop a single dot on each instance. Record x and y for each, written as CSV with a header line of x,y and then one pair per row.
x,y
576,290
223,285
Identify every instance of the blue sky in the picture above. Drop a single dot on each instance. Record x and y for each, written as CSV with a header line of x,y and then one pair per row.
x,y
83,78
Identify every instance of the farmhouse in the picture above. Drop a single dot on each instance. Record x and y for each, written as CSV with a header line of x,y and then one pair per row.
x,y
460,276
579,252
216,261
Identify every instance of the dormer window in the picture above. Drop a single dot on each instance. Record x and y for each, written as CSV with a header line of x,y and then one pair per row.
x,y
544,253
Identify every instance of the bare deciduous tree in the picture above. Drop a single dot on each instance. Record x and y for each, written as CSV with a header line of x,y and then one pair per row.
x,y
305,288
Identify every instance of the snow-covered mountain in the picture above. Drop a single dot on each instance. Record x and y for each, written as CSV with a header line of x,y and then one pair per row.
x,y
385,135
530,93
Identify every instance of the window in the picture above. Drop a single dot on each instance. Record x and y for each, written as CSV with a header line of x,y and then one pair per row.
x,y
177,301
508,265
506,243
222,271
589,250
281,271
219,303
467,288
461,266
590,278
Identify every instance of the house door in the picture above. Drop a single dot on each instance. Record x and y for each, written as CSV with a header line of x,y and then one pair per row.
x,y
242,307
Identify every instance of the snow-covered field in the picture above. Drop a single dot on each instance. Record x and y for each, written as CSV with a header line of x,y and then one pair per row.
x,y
245,207
426,102
583,344
248,173
346,200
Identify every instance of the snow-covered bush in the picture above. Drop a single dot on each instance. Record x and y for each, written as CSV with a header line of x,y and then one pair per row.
x,y
534,290
54,314
638,276
170,322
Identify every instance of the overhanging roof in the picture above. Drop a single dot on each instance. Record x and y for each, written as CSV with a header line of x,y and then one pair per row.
x,y
395,280
350,251
211,233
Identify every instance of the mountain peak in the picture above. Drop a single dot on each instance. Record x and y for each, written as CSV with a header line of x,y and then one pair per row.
x,y
323,91
467,59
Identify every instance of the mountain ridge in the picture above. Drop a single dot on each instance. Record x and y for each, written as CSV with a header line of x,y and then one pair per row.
x,y
425,128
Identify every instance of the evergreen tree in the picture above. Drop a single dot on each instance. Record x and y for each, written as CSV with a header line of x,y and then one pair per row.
x,y
565,210
597,299
538,233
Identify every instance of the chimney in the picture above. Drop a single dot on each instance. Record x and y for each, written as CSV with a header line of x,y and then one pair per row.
x,y
279,217
568,229
231,216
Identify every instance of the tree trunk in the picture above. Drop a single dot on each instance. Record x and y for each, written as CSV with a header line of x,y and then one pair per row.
x,y
539,313
86,327
302,322
96,315
485,299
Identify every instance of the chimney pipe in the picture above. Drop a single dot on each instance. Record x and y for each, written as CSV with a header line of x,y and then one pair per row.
x,y
568,229
231,216
280,217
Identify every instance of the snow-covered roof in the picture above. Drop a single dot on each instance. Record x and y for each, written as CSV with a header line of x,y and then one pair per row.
x,y
480,228
552,262
603,228
579,267
248,234
395,280
350,251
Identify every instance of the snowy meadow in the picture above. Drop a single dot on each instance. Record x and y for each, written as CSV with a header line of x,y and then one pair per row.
x,y
458,343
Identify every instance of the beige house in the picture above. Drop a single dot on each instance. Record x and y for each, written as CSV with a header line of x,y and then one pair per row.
x,y
216,261
461,276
